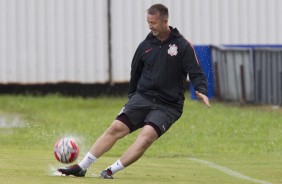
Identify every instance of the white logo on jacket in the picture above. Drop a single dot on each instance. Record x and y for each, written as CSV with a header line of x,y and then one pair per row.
x,y
172,50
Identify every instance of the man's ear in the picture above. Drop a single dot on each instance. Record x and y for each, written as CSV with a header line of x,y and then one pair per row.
x,y
165,21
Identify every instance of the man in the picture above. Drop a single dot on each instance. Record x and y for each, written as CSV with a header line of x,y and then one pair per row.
x,y
156,94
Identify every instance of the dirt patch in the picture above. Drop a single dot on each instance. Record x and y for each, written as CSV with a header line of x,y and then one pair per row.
x,y
11,121
259,107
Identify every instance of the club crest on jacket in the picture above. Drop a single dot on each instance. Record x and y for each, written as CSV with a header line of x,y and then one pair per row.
x,y
172,50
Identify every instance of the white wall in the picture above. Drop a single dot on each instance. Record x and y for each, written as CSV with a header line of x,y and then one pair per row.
x,y
53,41
66,40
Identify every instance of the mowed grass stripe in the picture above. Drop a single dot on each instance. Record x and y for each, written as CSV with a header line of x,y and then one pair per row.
x,y
228,171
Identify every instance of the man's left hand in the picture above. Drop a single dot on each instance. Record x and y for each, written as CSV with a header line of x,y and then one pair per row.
x,y
203,98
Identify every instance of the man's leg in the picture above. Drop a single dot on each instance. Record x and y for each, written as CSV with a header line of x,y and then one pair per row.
x,y
144,140
104,143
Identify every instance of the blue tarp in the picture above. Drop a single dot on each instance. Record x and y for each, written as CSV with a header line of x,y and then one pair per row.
x,y
204,56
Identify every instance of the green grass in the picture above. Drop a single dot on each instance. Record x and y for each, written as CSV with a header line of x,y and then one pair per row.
x,y
246,139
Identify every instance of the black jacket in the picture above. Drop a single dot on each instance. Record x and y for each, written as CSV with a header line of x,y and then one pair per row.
x,y
159,70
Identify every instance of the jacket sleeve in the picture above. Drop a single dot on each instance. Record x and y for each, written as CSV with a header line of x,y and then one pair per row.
x,y
136,71
192,67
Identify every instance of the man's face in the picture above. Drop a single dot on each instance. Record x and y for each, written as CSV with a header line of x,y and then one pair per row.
x,y
156,24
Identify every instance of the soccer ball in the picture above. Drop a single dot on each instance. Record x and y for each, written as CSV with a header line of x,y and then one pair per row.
x,y
66,150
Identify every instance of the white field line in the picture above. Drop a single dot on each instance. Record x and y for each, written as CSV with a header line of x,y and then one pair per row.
x,y
228,171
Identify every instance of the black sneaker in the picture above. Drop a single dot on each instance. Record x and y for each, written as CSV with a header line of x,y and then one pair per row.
x,y
106,174
74,170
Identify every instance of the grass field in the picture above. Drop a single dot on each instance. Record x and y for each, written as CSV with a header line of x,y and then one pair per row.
x,y
227,143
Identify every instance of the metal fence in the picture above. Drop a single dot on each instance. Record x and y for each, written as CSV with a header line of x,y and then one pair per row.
x,y
252,75
268,75
233,74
